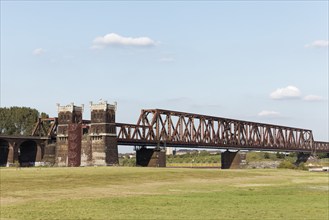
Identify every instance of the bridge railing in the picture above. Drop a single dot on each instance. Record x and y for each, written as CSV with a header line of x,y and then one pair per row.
x,y
169,128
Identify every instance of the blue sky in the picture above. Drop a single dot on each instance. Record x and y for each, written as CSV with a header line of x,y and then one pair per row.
x,y
260,61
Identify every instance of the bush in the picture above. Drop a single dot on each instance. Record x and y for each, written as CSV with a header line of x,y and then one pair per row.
x,y
323,155
128,162
293,154
266,155
302,166
280,155
286,165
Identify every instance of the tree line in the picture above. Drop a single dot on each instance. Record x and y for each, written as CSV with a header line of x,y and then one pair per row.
x,y
18,120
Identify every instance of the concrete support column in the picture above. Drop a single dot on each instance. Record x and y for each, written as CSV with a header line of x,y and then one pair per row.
x,y
150,157
233,160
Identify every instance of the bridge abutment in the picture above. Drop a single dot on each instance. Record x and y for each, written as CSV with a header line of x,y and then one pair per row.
x,y
233,160
98,146
150,157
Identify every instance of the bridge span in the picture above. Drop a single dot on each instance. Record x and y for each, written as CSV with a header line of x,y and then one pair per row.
x,y
68,140
158,127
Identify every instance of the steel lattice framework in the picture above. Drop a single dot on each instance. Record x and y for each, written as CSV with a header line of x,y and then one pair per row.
x,y
157,127
45,127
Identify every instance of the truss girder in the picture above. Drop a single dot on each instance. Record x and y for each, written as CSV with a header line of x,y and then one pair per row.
x,y
172,128
45,127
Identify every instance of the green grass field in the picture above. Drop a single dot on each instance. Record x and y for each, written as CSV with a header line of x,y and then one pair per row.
x,y
162,193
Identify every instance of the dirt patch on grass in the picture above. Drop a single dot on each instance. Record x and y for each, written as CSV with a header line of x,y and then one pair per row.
x,y
149,188
9,200
320,188
253,185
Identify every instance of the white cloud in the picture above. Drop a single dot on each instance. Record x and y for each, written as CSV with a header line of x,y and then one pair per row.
x,y
289,92
271,114
115,39
38,51
318,44
313,98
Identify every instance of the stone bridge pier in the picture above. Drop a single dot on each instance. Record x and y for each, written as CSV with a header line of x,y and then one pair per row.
x,y
303,157
150,157
233,160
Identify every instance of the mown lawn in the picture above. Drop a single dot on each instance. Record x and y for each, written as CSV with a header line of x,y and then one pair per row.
x,y
162,193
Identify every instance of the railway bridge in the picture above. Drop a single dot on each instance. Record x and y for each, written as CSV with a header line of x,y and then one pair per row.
x,y
68,140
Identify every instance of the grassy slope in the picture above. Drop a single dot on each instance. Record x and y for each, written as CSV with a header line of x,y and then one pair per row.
x,y
162,193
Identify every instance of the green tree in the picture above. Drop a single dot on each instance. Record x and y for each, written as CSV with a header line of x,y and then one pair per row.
x,y
18,120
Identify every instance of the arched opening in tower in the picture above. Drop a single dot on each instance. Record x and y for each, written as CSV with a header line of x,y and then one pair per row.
x,y
27,153
4,149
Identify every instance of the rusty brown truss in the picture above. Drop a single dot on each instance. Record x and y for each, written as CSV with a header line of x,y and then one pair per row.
x,y
157,127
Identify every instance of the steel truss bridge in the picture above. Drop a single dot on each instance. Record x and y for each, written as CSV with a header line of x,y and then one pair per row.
x,y
158,127
165,128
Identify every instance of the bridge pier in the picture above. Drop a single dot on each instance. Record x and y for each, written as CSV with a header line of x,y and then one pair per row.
x,y
38,157
150,157
11,156
233,160
305,158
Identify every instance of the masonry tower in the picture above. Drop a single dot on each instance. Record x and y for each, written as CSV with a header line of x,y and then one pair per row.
x,y
68,143
102,133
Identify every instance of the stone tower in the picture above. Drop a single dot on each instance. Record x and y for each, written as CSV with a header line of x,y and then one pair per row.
x,y
102,134
68,143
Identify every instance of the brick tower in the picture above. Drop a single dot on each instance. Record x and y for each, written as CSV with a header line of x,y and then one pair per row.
x,y
68,143
102,133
